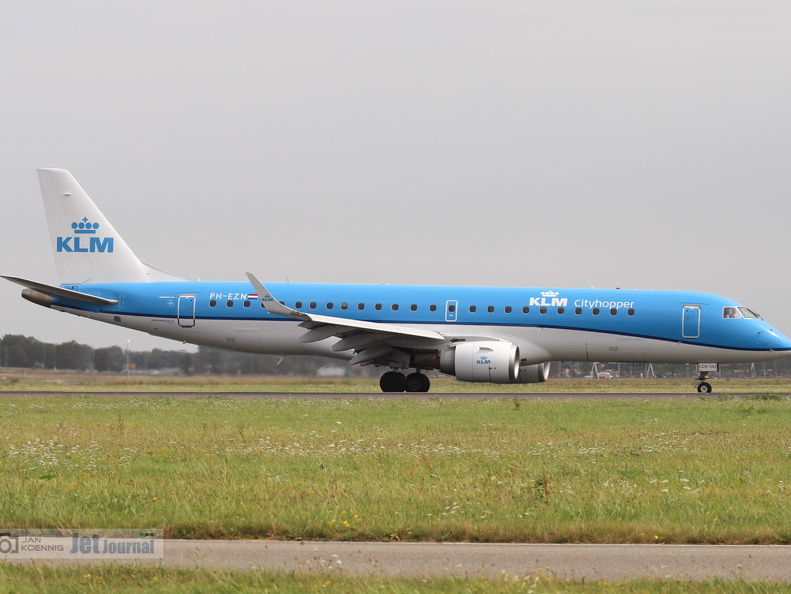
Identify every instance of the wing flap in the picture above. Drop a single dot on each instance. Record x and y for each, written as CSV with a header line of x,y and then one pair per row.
x,y
319,332
359,341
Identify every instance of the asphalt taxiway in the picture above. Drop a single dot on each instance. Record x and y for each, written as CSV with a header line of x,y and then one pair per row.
x,y
561,561
589,562
462,396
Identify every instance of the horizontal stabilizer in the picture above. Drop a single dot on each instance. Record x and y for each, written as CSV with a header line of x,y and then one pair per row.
x,y
60,292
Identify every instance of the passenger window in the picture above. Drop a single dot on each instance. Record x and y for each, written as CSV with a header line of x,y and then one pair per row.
x,y
361,306
578,310
312,305
378,307
561,310
330,305
490,309
432,307
508,309
451,308
395,307
613,312
246,304
473,308
212,303
229,303
595,311
543,310
630,312
344,305
413,307
298,305
525,310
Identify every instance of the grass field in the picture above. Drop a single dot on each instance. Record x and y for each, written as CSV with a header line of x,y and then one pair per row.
x,y
118,579
705,471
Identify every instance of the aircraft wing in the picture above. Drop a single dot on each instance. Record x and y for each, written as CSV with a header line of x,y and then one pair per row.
x,y
385,344
381,343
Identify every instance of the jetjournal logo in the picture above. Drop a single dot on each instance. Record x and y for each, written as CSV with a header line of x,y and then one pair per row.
x,y
84,239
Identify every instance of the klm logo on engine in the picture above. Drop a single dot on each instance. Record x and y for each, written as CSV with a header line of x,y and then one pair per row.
x,y
549,299
84,239
483,360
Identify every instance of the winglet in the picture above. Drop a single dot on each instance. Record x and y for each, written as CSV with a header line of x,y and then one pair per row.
x,y
271,304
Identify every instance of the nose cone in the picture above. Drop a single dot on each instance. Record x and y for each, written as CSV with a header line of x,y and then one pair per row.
x,y
772,339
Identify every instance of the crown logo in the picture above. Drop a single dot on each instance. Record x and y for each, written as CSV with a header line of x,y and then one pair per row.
x,y
549,294
85,227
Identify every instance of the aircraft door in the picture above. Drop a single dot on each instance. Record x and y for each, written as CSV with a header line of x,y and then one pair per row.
x,y
690,321
451,308
186,311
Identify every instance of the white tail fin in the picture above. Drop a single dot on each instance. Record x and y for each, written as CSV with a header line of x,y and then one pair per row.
x,y
87,248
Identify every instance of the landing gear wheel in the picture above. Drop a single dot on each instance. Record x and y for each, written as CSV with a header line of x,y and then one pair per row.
x,y
392,381
417,382
704,388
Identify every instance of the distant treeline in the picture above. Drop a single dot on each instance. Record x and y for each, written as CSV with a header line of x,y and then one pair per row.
x,y
27,352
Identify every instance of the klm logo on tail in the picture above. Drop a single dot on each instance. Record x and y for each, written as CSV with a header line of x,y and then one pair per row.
x,y
84,239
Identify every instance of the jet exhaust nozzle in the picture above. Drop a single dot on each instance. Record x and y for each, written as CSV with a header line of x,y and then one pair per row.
x,y
38,297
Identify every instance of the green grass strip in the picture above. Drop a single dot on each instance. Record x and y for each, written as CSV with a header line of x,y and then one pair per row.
x,y
705,471
123,579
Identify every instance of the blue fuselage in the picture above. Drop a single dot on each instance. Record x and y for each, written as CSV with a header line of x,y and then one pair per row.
x,y
569,324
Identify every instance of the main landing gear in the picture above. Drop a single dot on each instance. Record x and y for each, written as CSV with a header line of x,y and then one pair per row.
x,y
395,381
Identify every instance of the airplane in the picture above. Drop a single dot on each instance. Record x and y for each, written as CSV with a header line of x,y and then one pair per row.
x,y
477,334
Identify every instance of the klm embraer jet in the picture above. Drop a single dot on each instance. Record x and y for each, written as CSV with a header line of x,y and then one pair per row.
x,y
477,334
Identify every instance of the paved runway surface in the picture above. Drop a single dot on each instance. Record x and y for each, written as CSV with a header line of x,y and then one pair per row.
x,y
580,396
592,562
561,561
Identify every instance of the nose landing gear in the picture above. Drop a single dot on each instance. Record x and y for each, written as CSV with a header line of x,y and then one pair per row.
x,y
704,387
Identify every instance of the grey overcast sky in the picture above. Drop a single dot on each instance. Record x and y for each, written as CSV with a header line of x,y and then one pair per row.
x,y
635,144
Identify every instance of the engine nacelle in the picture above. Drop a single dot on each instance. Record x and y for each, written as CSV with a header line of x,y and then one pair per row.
x,y
533,374
483,361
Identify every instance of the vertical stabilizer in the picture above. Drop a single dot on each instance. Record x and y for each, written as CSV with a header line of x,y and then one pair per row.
x,y
87,248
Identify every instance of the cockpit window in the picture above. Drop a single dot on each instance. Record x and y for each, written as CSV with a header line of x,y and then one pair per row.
x,y
748,313
731,312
